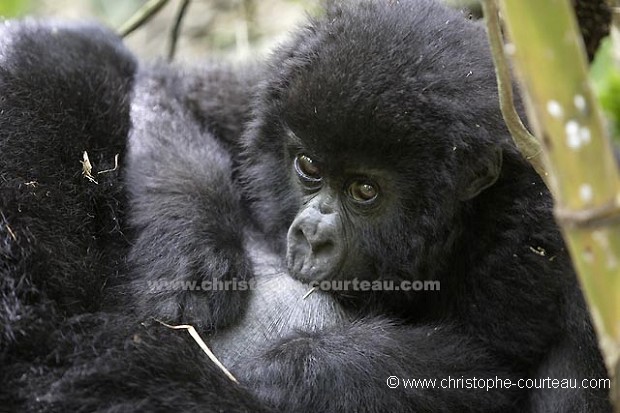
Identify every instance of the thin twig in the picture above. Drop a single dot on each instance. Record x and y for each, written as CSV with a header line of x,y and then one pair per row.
x,y
8,228
306,295
527,143
143,15
113,169
174,34
192,332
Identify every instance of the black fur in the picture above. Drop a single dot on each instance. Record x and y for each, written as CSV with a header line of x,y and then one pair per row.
x,y
402,87
64,89
59,232
65,342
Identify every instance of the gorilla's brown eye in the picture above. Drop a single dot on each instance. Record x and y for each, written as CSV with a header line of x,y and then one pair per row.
x,y
363,191
307,169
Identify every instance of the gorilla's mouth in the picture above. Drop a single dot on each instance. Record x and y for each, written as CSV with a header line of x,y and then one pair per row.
x,y
306,265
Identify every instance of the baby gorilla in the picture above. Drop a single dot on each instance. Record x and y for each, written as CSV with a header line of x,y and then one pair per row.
x,y
374,150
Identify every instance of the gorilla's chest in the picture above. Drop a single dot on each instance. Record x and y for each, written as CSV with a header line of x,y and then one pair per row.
x,y
278,306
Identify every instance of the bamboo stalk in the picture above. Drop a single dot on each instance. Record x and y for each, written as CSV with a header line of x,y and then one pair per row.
x,y
550,57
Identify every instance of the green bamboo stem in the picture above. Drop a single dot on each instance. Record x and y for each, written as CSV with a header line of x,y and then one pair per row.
x,y
550,58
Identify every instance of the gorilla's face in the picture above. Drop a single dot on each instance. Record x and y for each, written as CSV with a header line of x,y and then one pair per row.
x,y
365,213
334,207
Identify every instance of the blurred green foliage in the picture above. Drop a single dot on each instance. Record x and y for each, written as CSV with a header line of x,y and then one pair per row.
x,y
13,8
606,81
111,12
115,12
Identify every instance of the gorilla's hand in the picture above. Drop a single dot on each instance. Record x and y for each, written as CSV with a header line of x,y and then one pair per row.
x,y
363,367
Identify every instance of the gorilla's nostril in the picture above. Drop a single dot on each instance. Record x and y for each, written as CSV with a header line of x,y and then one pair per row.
x,y
323,248
299,233
301,240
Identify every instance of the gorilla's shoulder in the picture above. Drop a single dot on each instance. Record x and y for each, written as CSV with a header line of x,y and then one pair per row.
x,y
57,46
59,78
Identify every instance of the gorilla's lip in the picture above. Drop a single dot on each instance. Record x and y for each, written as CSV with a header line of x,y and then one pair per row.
x,y
301,269
304,272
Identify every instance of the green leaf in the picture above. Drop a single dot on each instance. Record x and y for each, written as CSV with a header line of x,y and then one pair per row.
x,y
606,82
13,8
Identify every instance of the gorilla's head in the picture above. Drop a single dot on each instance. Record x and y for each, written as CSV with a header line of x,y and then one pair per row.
x,y
369,146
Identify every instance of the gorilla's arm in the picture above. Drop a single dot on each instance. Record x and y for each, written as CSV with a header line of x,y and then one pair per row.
x,y
139,368
347,369
184,208
567,360
63,92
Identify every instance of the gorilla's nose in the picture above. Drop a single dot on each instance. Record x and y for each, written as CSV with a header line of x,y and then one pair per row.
x,y
319,242
313,251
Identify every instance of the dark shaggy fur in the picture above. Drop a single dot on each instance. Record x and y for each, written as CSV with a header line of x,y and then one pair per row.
x,y
405,88
64,89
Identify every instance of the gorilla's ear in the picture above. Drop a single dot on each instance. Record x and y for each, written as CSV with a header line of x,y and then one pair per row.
x,y
482,174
